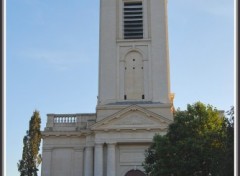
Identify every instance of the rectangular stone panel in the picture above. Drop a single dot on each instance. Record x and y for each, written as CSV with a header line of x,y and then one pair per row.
x,y
62,162
131,155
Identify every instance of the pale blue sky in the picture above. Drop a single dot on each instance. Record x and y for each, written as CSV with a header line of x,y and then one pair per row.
x,y
52,59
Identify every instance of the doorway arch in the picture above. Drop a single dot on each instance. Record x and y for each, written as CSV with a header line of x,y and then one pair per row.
x,y
135,173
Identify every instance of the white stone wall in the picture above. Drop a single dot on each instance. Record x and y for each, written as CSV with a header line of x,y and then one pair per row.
x,y
108,54
159,51
63,156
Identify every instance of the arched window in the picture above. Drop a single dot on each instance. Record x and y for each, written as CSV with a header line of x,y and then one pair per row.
x,y
135,173
134,77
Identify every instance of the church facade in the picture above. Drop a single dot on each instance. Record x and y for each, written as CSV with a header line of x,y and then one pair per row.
x,y
134,98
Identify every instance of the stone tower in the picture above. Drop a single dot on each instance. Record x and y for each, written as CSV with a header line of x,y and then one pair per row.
x,y
134,99
134,59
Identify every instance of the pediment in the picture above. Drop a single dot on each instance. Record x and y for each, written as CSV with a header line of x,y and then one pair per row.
x,y
133,117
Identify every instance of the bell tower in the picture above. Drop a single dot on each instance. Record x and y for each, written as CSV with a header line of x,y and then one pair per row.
x,y
134,56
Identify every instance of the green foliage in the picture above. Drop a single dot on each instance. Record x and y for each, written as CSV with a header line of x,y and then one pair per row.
x,y
31,158
228,167
199,142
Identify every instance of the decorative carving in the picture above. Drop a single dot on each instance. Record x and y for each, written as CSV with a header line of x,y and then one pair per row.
x,y
133,109
134,119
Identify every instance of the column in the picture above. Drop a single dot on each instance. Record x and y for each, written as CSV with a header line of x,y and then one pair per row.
x,y
46,161
88,164
111,159
98,159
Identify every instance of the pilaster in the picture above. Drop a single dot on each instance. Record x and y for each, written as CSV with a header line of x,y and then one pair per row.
x,y
88,163
46,162
78,162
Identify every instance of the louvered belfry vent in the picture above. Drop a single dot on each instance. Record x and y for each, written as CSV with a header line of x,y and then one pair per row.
x,y
133,20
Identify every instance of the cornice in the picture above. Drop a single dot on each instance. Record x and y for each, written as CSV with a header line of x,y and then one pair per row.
x,y
46,134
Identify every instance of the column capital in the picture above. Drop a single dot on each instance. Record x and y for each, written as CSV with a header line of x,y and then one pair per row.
x,y
111,144
78,149
98,144
88,147
47,149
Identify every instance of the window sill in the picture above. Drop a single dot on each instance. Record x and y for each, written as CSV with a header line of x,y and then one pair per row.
x,y
133,40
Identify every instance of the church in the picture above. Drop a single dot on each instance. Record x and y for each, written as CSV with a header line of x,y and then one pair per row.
x,y
134,97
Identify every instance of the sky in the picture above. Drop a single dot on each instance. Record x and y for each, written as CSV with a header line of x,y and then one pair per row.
x,y
52,51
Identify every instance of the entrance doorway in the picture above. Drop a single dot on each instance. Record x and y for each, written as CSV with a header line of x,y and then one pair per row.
x,y
135,173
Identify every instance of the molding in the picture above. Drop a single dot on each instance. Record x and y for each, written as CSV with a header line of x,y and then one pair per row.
x,y
46,134
117,106
138,129
76,114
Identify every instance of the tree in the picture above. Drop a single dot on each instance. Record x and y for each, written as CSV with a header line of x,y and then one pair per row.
x,y
195,144
28,165
228,166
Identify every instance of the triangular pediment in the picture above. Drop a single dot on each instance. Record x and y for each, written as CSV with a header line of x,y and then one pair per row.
x,y
133,117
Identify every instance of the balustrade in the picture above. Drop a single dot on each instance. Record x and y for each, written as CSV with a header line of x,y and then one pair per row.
x,y
70,122
66,119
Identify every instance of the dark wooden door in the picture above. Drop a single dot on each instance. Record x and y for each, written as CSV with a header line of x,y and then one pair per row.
x,y
135,173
